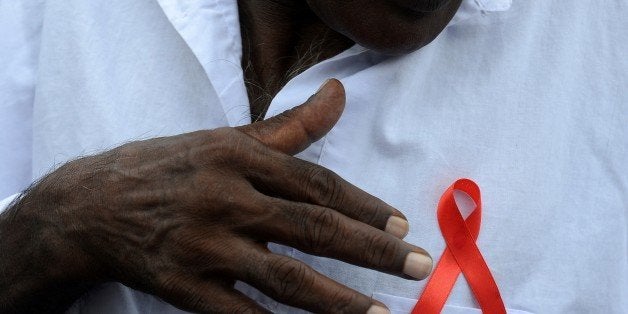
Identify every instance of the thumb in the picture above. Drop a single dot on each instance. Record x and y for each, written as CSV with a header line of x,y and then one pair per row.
x,y
296,129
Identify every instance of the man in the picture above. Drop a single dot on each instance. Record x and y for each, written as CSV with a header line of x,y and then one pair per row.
x,y
504,98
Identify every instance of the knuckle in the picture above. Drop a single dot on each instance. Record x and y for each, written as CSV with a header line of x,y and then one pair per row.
x,y
262,130
382,251
288,279
324,186
284,116
318,230
375,215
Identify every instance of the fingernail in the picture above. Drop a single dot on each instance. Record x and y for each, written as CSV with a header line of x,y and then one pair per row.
x,y
322,86
417,265
397,226
376,309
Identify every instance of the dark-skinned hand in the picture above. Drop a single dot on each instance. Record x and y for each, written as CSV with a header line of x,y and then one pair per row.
x,y
185,217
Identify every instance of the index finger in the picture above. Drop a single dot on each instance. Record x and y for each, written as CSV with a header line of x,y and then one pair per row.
x,y
301,181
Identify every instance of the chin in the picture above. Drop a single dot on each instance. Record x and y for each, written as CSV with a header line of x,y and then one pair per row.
x,y
387,27
400,32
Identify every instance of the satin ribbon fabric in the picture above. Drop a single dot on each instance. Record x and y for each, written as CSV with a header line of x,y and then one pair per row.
x,y
460,255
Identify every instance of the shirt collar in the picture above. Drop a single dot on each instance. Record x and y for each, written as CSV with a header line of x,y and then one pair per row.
x,y
211,29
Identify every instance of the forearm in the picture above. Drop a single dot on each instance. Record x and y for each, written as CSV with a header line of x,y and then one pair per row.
x,y
35,277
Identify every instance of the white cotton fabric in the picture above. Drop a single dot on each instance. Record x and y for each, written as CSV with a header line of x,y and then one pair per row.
x,y
20,26
528,102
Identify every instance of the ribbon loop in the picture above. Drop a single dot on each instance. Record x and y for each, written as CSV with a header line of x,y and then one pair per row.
x,y
460,255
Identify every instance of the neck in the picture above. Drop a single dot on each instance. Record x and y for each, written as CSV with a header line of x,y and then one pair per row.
x,y
280,39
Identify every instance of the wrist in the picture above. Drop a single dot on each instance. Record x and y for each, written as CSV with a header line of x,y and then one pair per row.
x,y
43,270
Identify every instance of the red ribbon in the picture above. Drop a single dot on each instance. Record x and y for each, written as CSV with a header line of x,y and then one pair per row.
x,y
460,255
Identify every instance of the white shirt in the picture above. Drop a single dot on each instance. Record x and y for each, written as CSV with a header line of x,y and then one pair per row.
x,y
530,103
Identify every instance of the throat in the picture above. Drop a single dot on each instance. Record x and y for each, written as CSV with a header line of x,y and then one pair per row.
x,y
281,39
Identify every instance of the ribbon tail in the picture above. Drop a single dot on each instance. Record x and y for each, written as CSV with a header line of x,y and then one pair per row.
x,y
439,286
